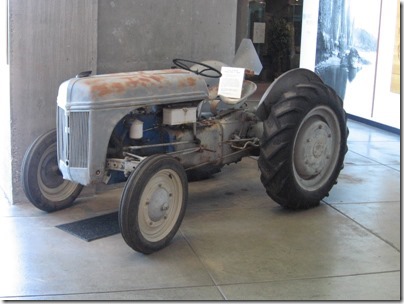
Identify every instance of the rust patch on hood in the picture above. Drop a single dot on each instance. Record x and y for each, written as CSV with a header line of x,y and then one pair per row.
x,y
121,83
187,82
147,84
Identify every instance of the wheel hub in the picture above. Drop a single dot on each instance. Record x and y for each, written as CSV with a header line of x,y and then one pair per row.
x,y
50,174
314,149
159,204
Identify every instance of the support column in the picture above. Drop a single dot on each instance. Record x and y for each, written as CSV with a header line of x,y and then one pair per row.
x,y
50,41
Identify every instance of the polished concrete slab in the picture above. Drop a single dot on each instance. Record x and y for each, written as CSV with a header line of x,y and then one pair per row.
x,y
382,219
366,183
380,286
235,243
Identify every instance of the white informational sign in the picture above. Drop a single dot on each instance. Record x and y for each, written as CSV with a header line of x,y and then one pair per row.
x,y
231,82
259,32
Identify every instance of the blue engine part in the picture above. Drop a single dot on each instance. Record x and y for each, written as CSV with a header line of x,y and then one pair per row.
x,y
153,133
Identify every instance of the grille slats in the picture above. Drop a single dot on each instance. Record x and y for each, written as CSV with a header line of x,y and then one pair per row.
x,y
62,135
79,139
73,138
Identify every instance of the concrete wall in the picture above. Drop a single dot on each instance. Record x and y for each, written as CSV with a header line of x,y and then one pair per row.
x,y
242,20
140,35
52,41
5,147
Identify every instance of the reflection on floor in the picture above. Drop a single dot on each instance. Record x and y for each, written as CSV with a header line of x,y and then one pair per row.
x,y
235,243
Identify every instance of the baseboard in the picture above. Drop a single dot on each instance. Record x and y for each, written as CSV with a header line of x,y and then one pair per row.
x,y
374,124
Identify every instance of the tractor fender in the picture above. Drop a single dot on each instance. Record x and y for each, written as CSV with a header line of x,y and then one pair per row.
x,y
283,84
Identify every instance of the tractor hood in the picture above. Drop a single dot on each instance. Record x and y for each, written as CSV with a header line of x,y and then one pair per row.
x,y
134,89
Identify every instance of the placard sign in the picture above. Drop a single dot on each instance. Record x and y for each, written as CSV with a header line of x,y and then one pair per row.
x,y
259,32
231,82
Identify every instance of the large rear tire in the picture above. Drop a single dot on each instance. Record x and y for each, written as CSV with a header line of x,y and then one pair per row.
x,y
153,203
303,145
42,182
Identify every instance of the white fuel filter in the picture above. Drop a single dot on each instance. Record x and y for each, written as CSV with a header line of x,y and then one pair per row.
x,y
136,129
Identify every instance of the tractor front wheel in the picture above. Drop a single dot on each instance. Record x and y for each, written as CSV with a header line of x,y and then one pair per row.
x,y
42,181
153,203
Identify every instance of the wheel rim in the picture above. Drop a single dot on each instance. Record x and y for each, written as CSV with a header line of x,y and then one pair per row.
x,y
160,205
50,180
316,148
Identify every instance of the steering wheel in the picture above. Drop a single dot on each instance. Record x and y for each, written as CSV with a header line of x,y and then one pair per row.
x,y
185,64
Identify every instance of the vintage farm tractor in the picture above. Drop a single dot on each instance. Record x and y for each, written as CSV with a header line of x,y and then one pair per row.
x,y
155,130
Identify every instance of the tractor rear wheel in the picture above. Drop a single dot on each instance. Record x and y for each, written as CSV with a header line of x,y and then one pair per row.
x,y
303,145
203,173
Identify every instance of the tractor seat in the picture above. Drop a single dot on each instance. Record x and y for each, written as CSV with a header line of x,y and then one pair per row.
x,y
217,103
248,89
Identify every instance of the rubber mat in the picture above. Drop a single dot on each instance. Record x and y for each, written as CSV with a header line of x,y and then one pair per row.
x,y
93,228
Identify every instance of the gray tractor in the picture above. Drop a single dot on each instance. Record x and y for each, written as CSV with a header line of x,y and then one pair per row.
x,y
157,130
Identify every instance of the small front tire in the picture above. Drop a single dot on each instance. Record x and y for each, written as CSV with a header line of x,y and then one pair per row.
x,y
153,203
42,181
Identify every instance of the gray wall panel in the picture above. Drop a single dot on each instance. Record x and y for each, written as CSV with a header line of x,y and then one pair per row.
x,y
51,41
140,35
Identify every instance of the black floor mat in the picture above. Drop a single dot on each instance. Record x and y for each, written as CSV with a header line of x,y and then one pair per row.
x,y
93,228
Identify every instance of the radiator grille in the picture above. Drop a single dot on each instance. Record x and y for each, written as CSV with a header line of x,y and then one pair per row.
x,y
73,138
62,135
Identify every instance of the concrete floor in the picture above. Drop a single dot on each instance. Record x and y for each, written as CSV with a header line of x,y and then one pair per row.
x,y
235,243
